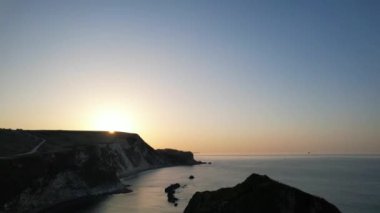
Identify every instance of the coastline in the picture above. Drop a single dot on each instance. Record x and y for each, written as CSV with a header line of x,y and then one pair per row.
x,y
326,178
74,165
93,199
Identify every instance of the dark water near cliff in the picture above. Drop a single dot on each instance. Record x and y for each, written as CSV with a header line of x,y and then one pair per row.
x,y
352,183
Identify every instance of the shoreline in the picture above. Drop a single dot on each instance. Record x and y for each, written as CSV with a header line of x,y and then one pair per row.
x,y
76,166
88,200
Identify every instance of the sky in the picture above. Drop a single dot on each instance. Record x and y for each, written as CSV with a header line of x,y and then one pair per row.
x,y
246,77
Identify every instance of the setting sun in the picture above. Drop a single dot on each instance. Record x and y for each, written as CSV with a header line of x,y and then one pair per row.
x,y
112,121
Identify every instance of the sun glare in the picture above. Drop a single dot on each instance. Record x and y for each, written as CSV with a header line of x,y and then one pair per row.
x,y
112,122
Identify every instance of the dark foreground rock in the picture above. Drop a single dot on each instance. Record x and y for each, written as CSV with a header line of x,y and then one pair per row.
x,y
258,193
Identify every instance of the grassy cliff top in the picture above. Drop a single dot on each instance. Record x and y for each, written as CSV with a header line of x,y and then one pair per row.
x,y
15,142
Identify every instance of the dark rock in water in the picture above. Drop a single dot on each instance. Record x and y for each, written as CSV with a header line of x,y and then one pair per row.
x,y
170,190
209,162
191,177
258,193
172,198
175,204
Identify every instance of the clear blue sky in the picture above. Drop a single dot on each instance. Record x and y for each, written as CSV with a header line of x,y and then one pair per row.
x,y
209,76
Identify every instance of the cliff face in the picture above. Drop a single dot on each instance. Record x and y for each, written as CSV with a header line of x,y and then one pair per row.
x,y
258,193
72,165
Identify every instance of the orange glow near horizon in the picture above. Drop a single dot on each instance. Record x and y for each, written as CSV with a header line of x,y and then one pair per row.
x,y
193,76
112,121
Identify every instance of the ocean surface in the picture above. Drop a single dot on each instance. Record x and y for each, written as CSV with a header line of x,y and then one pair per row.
x,y
352,183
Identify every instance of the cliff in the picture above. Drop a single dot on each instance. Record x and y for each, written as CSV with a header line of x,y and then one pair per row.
x,y
65,165
258,193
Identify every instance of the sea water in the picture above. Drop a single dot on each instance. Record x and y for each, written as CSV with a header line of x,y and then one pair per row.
x,y
352,183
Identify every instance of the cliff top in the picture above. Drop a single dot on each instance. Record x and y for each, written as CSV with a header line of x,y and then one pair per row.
x,y
24,142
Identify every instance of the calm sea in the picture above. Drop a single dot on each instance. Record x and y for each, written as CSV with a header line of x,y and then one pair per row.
x,y
352,183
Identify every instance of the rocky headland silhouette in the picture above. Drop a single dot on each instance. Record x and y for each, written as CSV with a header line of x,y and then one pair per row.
x,y
258,193
42,168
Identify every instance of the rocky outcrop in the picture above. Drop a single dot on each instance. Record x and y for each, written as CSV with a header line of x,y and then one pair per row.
x,y
177,157
170,190
258,193
72,165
